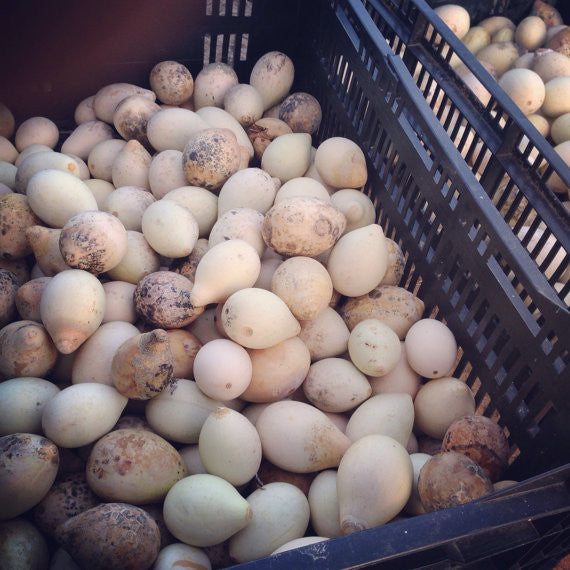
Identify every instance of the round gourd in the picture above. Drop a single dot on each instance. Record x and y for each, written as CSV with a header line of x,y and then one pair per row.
x,y
211,84
272,76
287,156
341,163
172,82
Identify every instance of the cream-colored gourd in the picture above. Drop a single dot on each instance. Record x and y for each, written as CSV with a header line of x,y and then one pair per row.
x,y
287,156
386,414
56,196
501,55
170,129
356,206
272,76
244,103
358,261
82,413
119,303
305,286
222,369
139,260
374,482
439,403
374,347
85,137
184,346
280,513
45,246
180,554
169,228
94,241
131,166
128,203
84,110
325,335
28,468
431,348
108,97
302,226
178,413
268,268
42,160
26,349
224,269
256,318
36,130
219,118
341,163
101,157
277,371
336,385
323,500
302,186
414,505
8,152
239,223
229,446
298,543
201,202
8,173
300,438
22,401
212,83
205,327
154,466
69,317
204,510
247,188
166,172
92,362
401,379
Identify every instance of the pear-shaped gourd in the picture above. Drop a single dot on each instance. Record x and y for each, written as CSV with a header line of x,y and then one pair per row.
x,y
131,166
72,308
358,261
204,510
374,482
257,318
142,365
300,438
224,269
45,246
229,446
341,163
387,414
82,413
280,513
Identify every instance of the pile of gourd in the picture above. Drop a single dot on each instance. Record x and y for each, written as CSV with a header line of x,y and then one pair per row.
x,y
206,352
530,61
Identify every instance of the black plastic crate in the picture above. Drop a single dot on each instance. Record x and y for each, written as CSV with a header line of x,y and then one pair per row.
x,y
462,259
502,147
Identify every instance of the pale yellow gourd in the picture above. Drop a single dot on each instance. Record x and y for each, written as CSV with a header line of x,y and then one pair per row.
x,y
69,317
358,260
374,482
300,438
256,318
224,269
